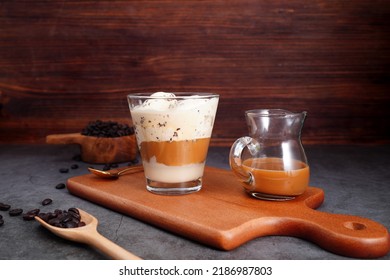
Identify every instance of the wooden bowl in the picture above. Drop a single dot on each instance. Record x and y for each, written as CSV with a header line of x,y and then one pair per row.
x,y
99,149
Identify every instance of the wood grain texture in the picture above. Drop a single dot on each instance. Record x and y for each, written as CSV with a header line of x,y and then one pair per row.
x,y
65,63
99,149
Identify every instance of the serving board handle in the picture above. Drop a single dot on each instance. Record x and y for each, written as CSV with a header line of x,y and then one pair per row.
x,y
342,234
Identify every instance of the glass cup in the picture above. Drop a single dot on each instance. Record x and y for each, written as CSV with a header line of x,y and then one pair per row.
x,y
173,132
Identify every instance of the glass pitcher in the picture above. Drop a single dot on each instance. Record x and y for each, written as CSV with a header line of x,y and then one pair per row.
x,y
271,162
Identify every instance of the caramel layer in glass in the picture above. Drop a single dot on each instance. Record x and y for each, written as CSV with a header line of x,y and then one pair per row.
x,y
176,153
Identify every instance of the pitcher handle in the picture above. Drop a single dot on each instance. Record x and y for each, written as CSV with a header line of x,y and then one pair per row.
x,y
235,159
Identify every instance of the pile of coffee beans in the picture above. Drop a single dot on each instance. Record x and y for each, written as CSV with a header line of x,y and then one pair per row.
x,y
63,218
110,129
60,218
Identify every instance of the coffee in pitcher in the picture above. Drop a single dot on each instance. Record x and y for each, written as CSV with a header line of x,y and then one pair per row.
x,y
271,162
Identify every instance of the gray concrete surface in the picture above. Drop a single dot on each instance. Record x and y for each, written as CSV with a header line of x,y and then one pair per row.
x,y
356,181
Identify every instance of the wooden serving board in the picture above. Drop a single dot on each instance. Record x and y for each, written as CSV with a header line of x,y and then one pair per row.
x,y
222,215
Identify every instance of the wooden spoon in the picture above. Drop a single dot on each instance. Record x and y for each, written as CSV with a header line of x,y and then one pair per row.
x,y
89,235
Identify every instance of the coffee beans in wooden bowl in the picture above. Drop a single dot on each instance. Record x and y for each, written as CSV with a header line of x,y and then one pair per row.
x,y
102,142
110,129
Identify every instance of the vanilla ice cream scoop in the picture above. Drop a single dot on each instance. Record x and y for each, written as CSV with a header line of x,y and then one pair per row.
x,y
160,104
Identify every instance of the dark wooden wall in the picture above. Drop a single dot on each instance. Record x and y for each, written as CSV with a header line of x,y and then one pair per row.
x,y
64,63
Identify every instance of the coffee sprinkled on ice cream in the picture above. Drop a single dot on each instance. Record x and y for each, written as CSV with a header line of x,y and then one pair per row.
x,y
174,120
173,134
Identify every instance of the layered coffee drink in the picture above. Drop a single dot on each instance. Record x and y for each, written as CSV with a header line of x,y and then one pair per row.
x,y
173,133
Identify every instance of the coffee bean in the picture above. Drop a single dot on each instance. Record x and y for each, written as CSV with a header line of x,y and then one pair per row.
x,y
74,215
109,166
71,224
75,210
15,212
42,216
28,217
60,186
80,224
64,170
47,201
65,218
1,222
34,211
1,217
74,166
4,207
54,221
51,215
